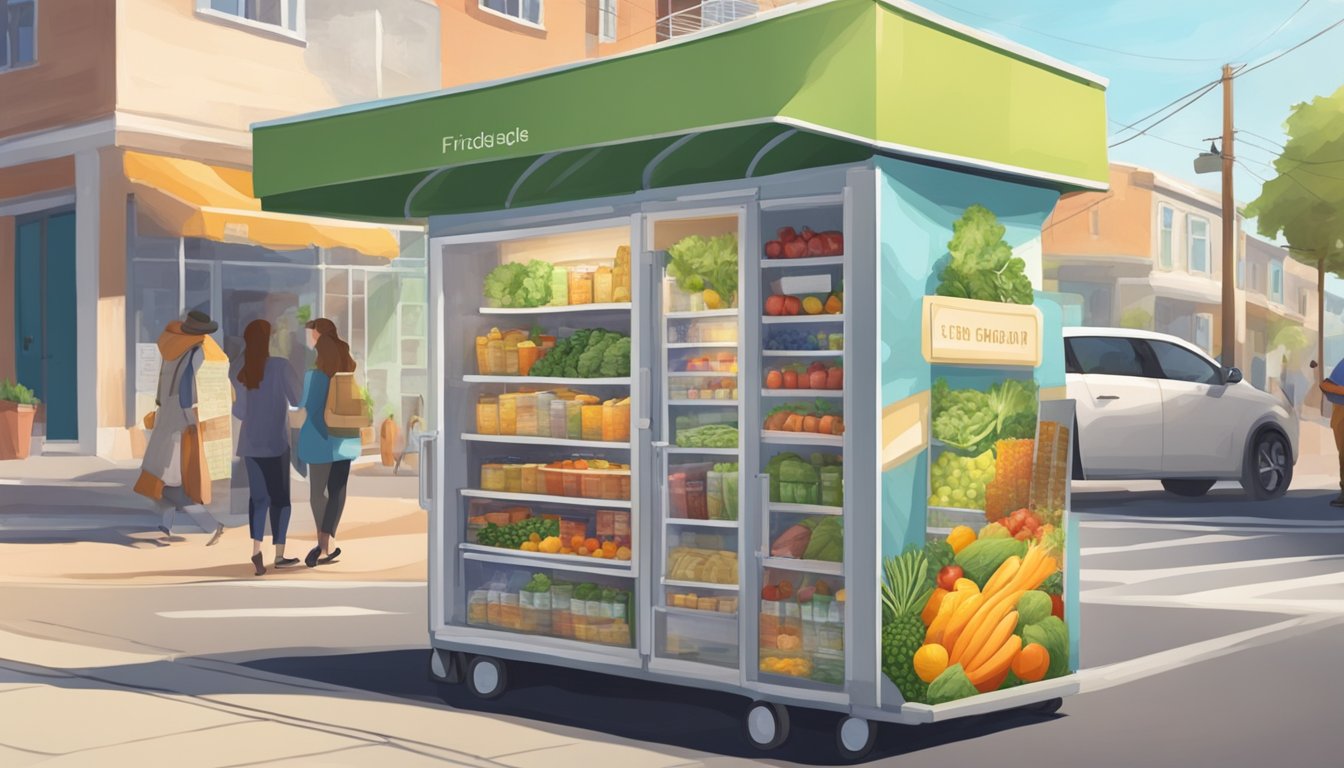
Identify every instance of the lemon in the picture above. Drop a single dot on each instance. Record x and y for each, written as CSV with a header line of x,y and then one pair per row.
x,y
811,305
712,299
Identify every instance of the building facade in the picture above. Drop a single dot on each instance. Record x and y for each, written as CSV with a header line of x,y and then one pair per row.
x,y
1148,254
125,197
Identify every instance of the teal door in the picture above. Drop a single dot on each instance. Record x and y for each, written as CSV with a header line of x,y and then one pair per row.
x,y
44,317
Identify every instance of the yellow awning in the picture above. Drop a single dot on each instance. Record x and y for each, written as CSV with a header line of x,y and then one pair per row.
x,y
194,199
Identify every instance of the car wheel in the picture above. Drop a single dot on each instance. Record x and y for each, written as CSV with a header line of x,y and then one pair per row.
x,y
1187,487
1269,467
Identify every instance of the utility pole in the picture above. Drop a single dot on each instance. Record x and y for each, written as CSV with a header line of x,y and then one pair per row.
x,y
1229,323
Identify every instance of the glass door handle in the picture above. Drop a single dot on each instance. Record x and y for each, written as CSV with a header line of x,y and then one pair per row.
x,y
645,379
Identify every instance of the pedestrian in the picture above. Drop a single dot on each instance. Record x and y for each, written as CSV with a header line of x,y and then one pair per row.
x,y
266,387
328,454
1333,389
174,472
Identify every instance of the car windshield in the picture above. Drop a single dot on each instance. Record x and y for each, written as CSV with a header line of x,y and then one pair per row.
x,y
1105,355
1183,365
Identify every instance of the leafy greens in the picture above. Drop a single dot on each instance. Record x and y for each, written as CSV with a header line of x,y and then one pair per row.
x,y
982,265
698,263
520,285
972,421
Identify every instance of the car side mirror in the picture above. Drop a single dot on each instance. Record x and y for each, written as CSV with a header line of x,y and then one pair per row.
x,y
1231,375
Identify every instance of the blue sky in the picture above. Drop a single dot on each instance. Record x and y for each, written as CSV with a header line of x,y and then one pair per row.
x,y
1205,35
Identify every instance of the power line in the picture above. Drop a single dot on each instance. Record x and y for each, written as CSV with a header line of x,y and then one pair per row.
x,y
1172,103
1196,97
1249,170
1275,142
1164,139
1276,31
1281,54
1069,40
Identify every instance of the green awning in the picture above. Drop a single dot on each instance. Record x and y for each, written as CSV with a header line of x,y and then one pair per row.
x,y
801,87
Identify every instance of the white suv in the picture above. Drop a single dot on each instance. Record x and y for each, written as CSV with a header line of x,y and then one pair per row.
x,y
1153,406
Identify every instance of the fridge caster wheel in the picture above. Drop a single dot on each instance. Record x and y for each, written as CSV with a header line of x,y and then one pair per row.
x,y
767,724
855,737
486,677
445,667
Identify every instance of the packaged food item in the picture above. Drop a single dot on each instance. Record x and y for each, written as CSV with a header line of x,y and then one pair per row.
x,y
559,287
581,285
554,481
620,275
494,354
730,494
562,620
544,400
832,487
574,419
676,494
591,422
532,480
487,415
559,426
493,595
528,353
513,478
510,355
525,414
478,607
510,614
603,285
616,421
493,477
714,495
508,414
483,355
590,484
697,507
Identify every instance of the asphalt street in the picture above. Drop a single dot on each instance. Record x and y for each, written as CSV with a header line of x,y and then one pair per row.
x,y
1213,634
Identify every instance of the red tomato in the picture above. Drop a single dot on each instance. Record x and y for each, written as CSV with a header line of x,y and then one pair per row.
x,y
947,577
1057,606
792,305
774,379
795,249
807,233
787,235
790,380
817,246
835,378
817,366
774,305
774,249
816,380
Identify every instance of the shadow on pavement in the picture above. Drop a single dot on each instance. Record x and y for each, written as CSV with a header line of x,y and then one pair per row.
x,y
677,716
1295,505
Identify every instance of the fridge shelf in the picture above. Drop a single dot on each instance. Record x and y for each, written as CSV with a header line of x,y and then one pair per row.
x,y
783,319
703,374
689,521
530,440
802,393
695,613
521,559
699,314
803,353
679,451
623,381
698,401
702,345
814,261
698,585
539,498
621,306
774,437
824,567
805,509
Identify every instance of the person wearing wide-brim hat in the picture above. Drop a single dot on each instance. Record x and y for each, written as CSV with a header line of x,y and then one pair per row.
x,y
174,472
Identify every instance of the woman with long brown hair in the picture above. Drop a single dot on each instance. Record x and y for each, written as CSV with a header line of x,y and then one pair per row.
x,y
328,456
266,387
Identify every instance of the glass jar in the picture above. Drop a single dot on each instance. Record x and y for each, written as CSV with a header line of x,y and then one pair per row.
x,y
581,285
603,286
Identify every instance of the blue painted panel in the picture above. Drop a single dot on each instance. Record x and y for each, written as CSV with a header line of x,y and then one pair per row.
x,y
62,340
28,304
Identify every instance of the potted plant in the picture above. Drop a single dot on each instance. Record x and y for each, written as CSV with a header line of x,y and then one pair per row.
x,y
18,409
387,438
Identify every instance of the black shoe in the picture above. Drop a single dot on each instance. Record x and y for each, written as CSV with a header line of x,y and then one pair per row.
x,y
311,559
165,530
256,563
331,558
286,562
1338,501
219,531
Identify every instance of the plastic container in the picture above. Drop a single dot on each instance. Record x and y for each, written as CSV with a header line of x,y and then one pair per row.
x,y
730,481
603,285
513,478
493,477
510,357
493,617
544,400
494,357
559,287
487,415
478,607
714,495
562,619
527,356
532,479
591,422
616,421
573,420
510,612
483,355
553,480
590,484
508,414
832,487
581,285
558,423
525,415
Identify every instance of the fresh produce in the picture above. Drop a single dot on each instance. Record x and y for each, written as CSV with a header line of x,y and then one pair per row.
x,y
783,665
1032,607
520,285
949,576
698,263
793,417
540,582
708,436
972,421
939,555
1049,479
1032,663
951,685
816,538
795,339
514,535
960,538
982,558
1012,478
779,304
903,596
931,607
818,375
1024,526
930,661
794,480
792,244
1052,633
982,265
589,353
960,481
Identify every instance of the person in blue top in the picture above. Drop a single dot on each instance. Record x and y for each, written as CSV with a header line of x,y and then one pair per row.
x,y
1333,387
266,387
328,457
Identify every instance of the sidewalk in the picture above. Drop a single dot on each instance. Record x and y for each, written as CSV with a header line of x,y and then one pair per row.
x,y
76,519
141,709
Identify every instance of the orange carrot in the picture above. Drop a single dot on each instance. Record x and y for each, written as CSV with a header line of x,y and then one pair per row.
x,y
811,424
794,423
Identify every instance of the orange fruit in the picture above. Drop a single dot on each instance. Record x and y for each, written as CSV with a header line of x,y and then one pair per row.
x,y
566,551
576,542
623,553
535,538
609,548
592,544
580,464
599,554
582,551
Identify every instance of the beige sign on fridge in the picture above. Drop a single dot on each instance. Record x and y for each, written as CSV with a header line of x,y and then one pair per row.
x,y
969,332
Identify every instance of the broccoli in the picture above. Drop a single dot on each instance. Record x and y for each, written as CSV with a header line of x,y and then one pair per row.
x,y
616,359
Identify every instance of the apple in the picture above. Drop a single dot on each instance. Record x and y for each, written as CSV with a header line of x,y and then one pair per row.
x,y
792,305
787,235
774,249
775,305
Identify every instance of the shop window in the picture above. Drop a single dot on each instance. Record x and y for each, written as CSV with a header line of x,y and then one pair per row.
x,y
1276,282
1197,245
18,33
286,15
1167,218
606,11
526,11
1204,332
